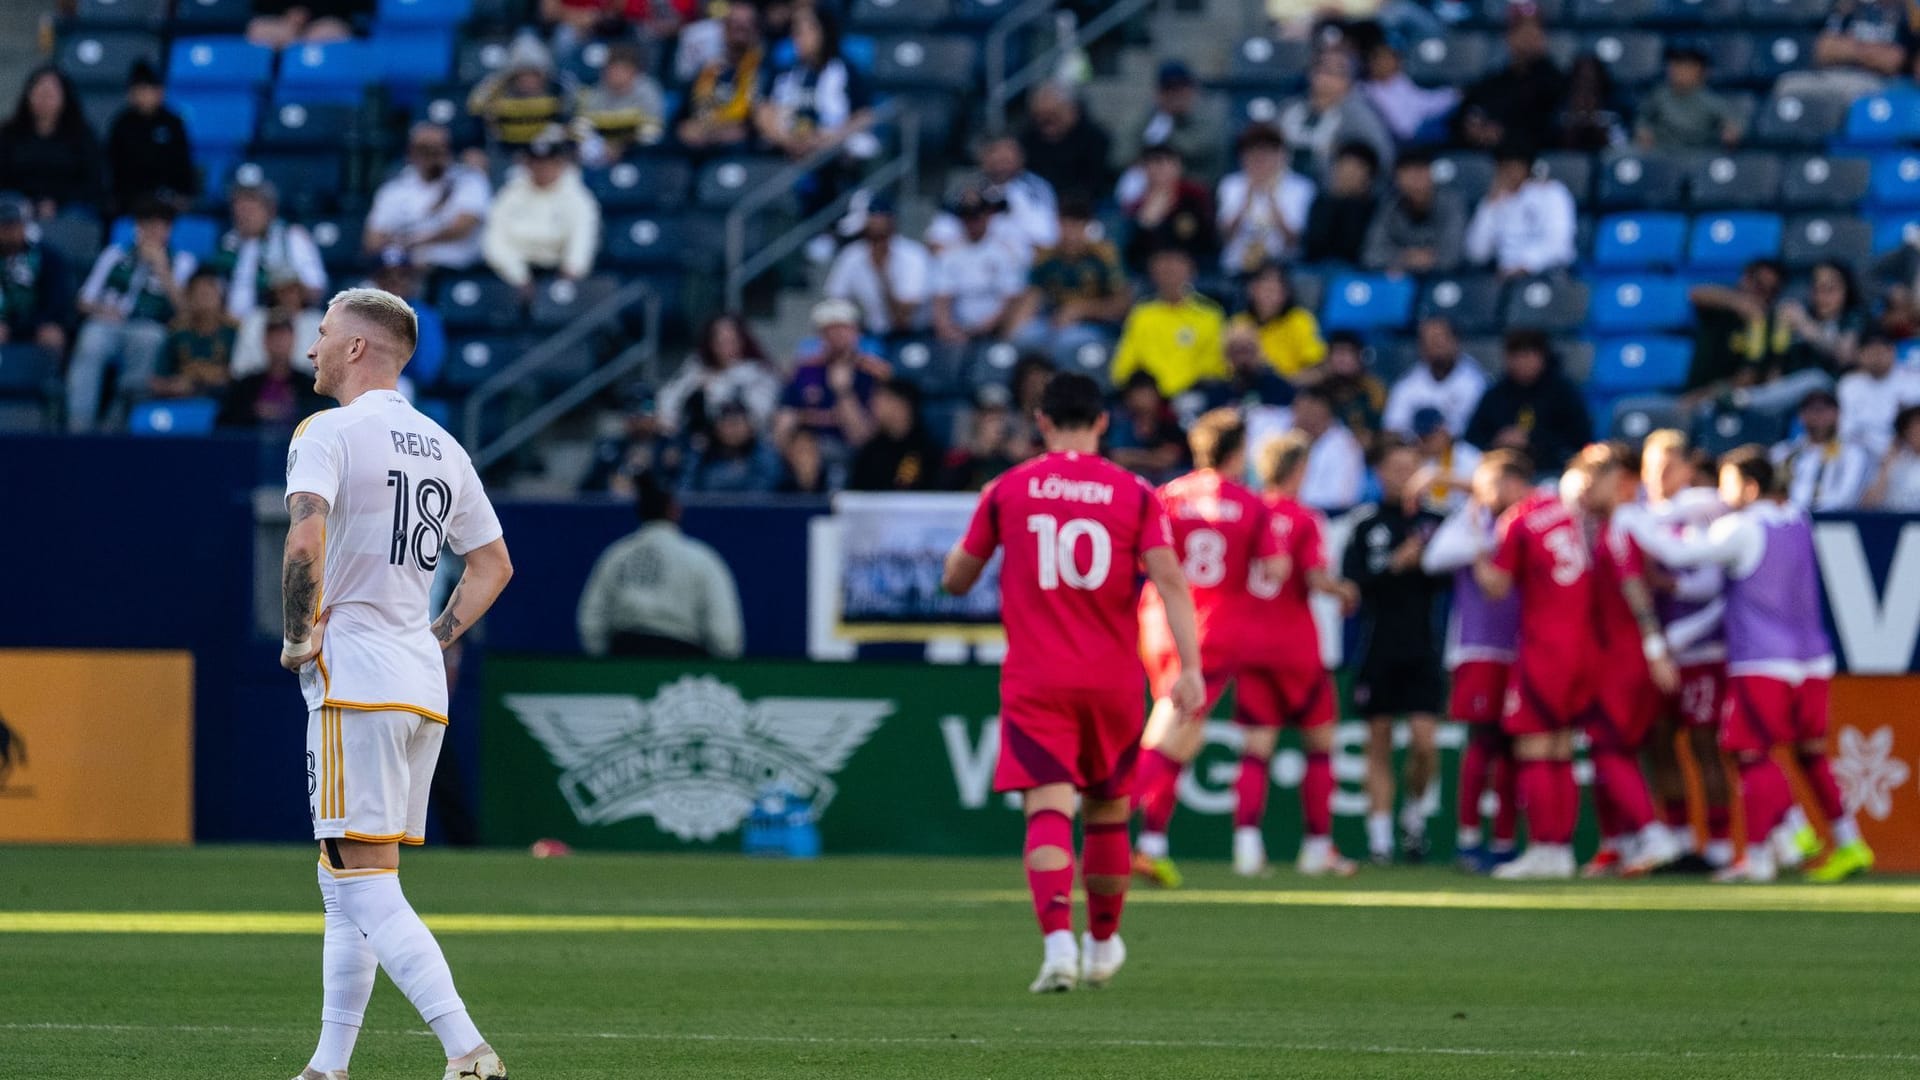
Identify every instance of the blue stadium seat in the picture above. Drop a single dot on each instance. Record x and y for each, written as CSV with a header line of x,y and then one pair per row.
x,y
1819,182
1367,302
224,63
1634,241
179,416
1896,181
1891,231
25,371
195,234
430,351
421,14
217,122
415,57
337,72
1637,303
211,16
652,182
1778,52
102,59
1734,239
438,410
1640,363
339,242
1884,119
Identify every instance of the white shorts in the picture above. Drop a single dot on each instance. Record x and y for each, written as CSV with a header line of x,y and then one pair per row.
x,y
368,773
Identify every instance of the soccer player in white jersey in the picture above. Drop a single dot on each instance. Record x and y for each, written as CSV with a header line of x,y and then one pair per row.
x,y
375,491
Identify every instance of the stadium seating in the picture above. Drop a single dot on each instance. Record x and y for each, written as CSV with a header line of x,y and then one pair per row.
x,y
480,302
211,16
897,14
1367,302
1638,416
1450,60
218,63
219,123
195,234
422,14
102,59
25,371
178,416
120,14
1886,119
1556,305
1734,181
1724,241
339,242
1470,302
1796,121
1634,181
1466,175
648,183
1816,238
921,62
335,73
1637,303
1262,63
1895,181
722,183
557,303
938,370
1725,429
1640,240
294,126
1816,181
1638,364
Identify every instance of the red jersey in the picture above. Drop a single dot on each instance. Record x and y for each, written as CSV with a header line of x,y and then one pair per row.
x,y
1617,559
1543,547
1076,528
1285,634
1219,529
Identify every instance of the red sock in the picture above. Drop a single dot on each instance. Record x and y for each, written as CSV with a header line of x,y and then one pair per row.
x,y
1765,795
1052,889
1156,790
1475,762
1674,813
1506,785
1827,792
1607,813
1617,777
1719,823
1250,792
1316,795
1537,799
1104,854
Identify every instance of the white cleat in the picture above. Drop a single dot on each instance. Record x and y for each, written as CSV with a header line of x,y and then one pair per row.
x,y
482,1064
1249,853
1540,862
1100,960
1786,850
315,1074
1318,859
1654,848
1757,868
1060,969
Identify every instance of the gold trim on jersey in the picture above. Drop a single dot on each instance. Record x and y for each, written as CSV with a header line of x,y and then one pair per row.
x,y
301,428
386,706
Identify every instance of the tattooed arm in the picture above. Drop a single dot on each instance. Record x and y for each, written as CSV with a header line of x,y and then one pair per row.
x,y
301,568
487,573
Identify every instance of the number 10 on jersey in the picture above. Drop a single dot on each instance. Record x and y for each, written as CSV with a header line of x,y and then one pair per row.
x,y
1059,551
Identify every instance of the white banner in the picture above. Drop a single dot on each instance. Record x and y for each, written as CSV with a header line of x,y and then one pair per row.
x,y
891,551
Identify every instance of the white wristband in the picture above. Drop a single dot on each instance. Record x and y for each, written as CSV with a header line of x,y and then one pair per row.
x,y
1655,647
297,650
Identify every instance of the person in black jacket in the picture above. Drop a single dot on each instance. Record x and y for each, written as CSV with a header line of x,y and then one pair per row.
x,y
147,148
36,285
1343,211
1532,407
47,151
900,455
1398,669
1521,101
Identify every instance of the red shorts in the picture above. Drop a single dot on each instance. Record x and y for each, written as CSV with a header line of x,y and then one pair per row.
x,y
1763,712
1283,697
1089,738
1546,696
1625,708
1479,691
1702,689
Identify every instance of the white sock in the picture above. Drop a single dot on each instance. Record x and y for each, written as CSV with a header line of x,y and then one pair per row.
x,y
1846,831
1466,836
1153,845
347,966
1380,833
1796,819
1060,945
1719,853
1760,861
410,957
1413,815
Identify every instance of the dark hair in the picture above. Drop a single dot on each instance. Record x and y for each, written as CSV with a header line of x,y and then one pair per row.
x,y
1392,443
1905,417
1778,268
905,389
1415,155
1289,298
1022,369
749,346
1348,338
1877,337
1360,152
1754,465
1216,436
149,208
206,273
1515,150
1072,401
1260,134
829,34
628,53
1509,462
1076,206
652,500
1528,340
72,123
1313,393
1847,282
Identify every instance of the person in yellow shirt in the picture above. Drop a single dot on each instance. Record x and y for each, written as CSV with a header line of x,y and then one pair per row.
x,y
1175,335
1289,334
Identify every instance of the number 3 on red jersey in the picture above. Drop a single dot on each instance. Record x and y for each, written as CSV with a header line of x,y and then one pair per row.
x,y
1059,551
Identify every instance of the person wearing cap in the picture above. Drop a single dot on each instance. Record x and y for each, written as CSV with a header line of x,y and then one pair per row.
x,y
278,395
1076,292
1064,146
526,96
1420,229
829,394
888,276
47,150
432,210
717,112
1331,114
128,300
1447,465
36,286
1873,393
147,148
977,278
1824,471
1520,101
1445,379
544,218
732,458
1526,224
1029,214
1683,113
1173,335
1262,209
1183,122
261,247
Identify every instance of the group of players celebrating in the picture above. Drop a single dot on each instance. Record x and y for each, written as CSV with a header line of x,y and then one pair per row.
x,y
1634,599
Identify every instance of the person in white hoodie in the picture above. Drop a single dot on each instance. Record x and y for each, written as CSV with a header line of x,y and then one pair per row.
x,y
544,218
1526,224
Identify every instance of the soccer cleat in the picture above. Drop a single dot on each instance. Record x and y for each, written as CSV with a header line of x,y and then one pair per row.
x,y
1100,960
1747,871
1249,853
311,1073
1414,848
482,1064
1846,861
1060,965
1156,870
1655,849
1692,863
1806,841
1541,862
1473,860
1605,863
1785,842
1318,859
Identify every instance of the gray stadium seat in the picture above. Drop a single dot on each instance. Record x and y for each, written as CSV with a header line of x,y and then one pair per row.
x,y
1776,53
197,17
897,14
1789,12
293,126
480,302
1731,428
1734,181
75,235
925,62
1555,304
1264,63
26,371
1453,60
102,59
722,183
1466,174
646,183
1635,417
1573,168
128,14
1817,181
1309,289
481,57
557,303
1634,180
1576,358
1471,302
1614,12
1795,121
339,242
1815,237
1634,57
23,418
1705,12
939,370
1731,56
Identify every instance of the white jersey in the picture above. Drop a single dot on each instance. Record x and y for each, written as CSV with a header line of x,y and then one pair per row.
x,y
397,487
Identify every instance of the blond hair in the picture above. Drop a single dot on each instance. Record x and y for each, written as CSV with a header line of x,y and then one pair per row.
x,y
1280,458
1668,439
383,311
1216,436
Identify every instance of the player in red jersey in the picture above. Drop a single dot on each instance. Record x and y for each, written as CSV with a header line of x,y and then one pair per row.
x,y
1637,672
1077,529
1221,535
1540,552
1283,679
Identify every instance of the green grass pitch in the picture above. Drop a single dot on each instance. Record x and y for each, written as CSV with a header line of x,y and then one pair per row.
x,y
710,967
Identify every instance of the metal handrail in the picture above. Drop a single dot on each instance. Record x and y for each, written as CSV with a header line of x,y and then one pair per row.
x,y
1004,89
901,170
546,354
1001,33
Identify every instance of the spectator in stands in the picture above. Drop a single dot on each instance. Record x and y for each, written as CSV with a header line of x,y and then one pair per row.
x,y
1864,43
658,592
1337,465
717,114
543,219
1824,471
1288,334
1064,146
1332,114
1740,344
1180,120
1076,293
977,278
1172,210
1031,208
820,101
277,396
1897,485
1526,224
807,470
625,109
1173,335
280,23
433,209
828,395
286,298
197,359
988,449
900,455
576,22
1873,394
1144,435
888,276
47,151
524,98
261,247
1445,379
1251,381
1263,207
1592,118
1025,384
728,367
1826,330
1683,113
36,286
1533,406
1355,394
1447,464
1407,108
127,300
733,459
147,149
1343,210
1421,229
1521,101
